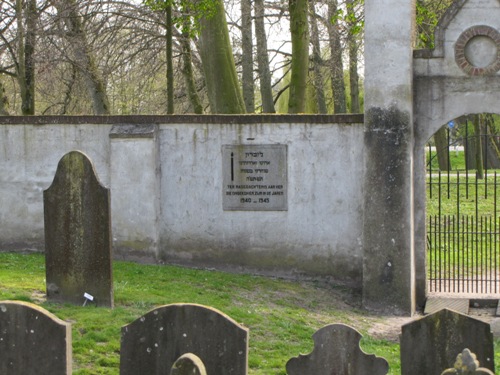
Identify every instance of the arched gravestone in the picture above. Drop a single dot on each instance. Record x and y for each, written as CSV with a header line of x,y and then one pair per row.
x,y
430,345
153,343
77,234
33,341
337,352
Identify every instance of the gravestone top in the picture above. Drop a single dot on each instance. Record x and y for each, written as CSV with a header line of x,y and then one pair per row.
x,y
154,342
337,352
430,344
77,234
33,341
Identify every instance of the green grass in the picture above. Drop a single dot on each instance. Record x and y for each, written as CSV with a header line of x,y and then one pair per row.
x,y
457,160
281,315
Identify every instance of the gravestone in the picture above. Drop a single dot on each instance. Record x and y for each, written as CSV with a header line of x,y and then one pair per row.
x,y
77,234
154,342
33,341
188,364
337,352
430,344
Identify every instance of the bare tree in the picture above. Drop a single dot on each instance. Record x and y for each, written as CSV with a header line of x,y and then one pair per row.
x,y
317,61
83,57
336,61
247,55
266,92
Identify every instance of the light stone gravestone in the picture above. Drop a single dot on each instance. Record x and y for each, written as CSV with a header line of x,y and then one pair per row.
x,y
78,234
337,352
33,341
154,342
430,345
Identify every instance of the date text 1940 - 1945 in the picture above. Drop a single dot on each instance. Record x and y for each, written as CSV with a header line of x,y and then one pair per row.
x,y
254,177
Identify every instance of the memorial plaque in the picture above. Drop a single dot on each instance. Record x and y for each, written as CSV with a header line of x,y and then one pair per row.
x,y
254,177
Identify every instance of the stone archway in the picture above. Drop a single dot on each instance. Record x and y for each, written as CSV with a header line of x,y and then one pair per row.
x,y
408,96
460,76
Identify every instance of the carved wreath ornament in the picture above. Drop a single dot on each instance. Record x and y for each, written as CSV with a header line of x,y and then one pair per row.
x,y
477,51
467,364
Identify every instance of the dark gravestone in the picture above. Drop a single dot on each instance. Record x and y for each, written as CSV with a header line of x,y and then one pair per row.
x,y
33,341
430,345
153,343
337,352
77,234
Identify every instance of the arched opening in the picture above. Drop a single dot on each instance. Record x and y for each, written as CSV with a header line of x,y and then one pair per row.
x,y
462,180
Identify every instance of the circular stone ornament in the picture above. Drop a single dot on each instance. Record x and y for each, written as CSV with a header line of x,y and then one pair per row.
x,y
477,51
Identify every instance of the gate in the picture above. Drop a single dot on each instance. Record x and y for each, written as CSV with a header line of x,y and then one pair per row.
x,y
463,225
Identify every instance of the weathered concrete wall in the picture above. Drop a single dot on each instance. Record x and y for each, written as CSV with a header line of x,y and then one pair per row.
x,y
29,155
388,269
165,176
320,233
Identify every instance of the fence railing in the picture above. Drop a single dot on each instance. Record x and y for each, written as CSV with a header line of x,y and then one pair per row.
x,y
463,254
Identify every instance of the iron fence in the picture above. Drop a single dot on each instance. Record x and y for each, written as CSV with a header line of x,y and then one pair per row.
x,y
463,228
463,254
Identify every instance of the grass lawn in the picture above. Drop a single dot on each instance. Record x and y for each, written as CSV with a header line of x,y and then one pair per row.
x,y
281,315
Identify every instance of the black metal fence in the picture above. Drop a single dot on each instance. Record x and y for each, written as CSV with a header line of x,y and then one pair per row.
x,y
463,229
463,254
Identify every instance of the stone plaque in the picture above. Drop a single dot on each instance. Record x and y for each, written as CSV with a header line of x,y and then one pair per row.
x,y
254,177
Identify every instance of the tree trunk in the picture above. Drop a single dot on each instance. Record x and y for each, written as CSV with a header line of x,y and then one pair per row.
x,y
4,102
317,62
300,55
479,148
353,60
442,149
491,144
187,72
83,57
336,64
247,55
223,88
266,91
26,49
170,61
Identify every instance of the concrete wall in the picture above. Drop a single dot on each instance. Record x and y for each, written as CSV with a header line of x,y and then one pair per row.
x,y
165,176
29,155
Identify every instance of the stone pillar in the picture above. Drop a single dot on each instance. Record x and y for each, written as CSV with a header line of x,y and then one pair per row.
x,y
135,186
388,265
